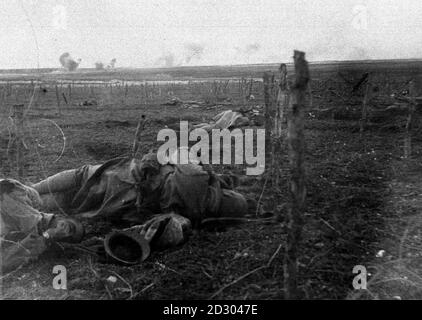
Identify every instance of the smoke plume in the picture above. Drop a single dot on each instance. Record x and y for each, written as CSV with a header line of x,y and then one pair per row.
x,y
168,59
68,63
99,65
246,52
112,63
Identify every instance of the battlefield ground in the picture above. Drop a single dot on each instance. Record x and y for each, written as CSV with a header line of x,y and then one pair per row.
x,y
363,193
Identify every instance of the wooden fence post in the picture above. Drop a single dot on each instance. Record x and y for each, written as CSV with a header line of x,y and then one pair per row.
x,y
297,187
282,99
364,116
65,99
282,103
69,93
2,96
137,138
58,99
250,88
145,93
409,122
269,113
16,94
19,118
244,84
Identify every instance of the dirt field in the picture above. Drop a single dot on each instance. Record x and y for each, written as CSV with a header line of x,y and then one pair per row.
x,y
363,196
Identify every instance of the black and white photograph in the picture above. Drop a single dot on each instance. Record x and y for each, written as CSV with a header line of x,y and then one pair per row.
x,y
227,151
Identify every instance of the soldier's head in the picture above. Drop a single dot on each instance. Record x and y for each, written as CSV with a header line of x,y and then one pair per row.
x,y
65,229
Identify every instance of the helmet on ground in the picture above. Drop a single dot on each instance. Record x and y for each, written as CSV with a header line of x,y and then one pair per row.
x,y
126,247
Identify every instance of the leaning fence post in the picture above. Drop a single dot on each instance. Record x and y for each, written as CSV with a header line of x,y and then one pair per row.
x,y
297,187
69,93
364,116
409,122
282,99
269,112
18,116
145,93
250,88
279,124
137,139
65,99
58,99
244,84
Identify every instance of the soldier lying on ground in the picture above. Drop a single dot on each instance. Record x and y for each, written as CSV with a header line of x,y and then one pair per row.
x,y
126,192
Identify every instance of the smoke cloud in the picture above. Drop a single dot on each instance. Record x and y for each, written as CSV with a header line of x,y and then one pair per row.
x,y
112,63
168,60
68,63
99,65
246,52
191,52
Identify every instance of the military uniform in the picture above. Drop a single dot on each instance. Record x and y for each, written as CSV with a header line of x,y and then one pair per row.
x,y
132,190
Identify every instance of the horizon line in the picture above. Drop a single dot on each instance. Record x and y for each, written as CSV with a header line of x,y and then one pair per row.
x,y
219,65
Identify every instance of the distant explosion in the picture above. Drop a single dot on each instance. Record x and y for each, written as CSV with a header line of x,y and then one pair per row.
x,y
99,65
167,58
68,63
192,52
247,51
112,63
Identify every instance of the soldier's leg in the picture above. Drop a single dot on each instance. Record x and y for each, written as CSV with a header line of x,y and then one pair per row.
x,y
57,191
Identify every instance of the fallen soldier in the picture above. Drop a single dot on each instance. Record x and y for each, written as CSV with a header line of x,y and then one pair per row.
x,y
162,202
225,120
230,119
130,191
87,103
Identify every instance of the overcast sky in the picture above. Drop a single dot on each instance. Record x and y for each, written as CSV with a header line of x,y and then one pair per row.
x,y
146,33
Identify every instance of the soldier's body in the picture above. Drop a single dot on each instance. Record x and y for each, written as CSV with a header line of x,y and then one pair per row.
x,y
125,191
